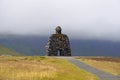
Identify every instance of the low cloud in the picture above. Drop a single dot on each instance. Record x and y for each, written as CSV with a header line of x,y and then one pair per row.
x,y
86,19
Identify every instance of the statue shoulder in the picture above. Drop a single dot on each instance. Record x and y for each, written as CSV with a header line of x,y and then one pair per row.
x,y
65,35
57,35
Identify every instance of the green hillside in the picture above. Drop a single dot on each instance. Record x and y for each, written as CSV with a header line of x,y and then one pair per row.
x,y
6,51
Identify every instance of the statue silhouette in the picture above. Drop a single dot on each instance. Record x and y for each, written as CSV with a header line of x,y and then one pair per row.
x,y
58,44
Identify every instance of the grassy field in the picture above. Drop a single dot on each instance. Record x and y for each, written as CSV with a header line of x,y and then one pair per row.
x,y
40,68
108,64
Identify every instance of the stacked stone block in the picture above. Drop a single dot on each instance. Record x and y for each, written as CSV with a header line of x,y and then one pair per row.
x,y
58,44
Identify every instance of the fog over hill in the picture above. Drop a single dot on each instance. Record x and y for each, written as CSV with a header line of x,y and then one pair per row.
x,y
80,19
93,26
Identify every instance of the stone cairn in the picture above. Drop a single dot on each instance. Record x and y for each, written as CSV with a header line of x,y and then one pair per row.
x,y
58,44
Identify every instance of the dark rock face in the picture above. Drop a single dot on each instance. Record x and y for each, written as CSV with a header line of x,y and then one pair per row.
x,y
58,44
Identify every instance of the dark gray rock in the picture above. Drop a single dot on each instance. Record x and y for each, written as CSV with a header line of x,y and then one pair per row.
x,y
58,44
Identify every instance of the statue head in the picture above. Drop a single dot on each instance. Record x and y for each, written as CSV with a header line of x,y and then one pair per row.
x,y
58,30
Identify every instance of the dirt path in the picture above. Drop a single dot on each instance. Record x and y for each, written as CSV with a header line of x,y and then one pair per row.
x,y
100,74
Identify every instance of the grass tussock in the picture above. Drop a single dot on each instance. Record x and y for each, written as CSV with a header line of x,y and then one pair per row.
x,y
40,68
107,64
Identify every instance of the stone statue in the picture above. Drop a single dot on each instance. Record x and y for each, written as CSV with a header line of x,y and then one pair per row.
x,y
58,44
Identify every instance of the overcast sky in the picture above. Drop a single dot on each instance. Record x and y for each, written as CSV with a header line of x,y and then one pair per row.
x,y
91,19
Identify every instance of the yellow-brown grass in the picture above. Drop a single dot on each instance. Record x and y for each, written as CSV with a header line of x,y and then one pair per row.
x,y
40,68
110,65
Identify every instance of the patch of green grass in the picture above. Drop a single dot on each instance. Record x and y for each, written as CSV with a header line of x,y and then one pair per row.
x,y
6,51
40,68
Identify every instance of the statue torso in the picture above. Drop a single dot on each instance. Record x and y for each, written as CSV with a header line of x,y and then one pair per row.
x,y
59,41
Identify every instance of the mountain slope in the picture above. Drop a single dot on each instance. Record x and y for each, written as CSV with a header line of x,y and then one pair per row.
x,y
28,45
6,51
35,45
